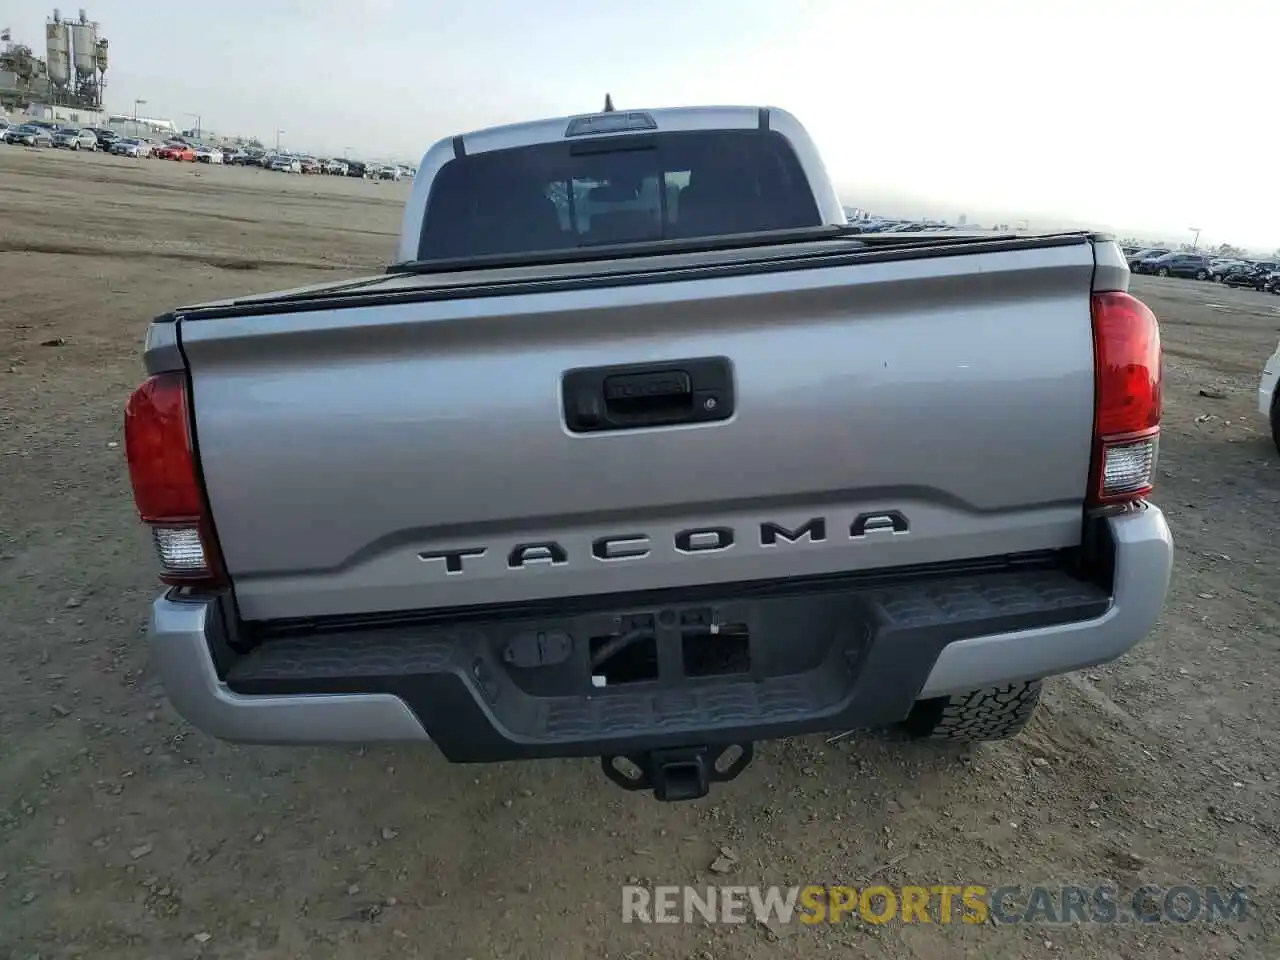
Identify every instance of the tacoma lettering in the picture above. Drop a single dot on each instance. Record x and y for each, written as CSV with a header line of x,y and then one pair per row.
x,y
866,523
548,551
452,558
704,539
693,540
620,548
816,528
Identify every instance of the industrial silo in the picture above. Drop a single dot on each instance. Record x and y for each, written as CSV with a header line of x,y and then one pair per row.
x,y
84,36
58,49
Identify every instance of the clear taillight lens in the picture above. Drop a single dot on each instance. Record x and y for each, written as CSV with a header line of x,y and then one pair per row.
x,y
1128,469
181,551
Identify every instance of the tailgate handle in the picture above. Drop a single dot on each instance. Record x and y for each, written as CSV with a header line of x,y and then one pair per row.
x,y
648,395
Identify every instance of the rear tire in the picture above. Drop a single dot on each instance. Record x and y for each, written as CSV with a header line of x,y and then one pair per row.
x,y
1201,275
993,713
1164,271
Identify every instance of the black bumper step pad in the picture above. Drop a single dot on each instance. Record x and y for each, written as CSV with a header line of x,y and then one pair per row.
x,y
825,655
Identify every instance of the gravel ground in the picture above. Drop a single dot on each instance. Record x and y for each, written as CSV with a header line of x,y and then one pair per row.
x,y
126,833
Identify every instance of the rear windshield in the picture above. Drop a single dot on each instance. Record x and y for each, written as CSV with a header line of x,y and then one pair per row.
x,y
554,196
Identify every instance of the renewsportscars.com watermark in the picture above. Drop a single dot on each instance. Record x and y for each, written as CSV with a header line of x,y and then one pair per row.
x,y
940,904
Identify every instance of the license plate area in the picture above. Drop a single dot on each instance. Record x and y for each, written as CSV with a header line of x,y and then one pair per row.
x,y
708,648
718,650
678,646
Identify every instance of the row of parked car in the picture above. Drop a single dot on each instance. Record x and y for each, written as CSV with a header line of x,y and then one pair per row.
x,y
42,135
331,166
45,134
1233,271
887,225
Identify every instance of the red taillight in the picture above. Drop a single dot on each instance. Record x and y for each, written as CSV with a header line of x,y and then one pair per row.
x,y
1126,420
166,486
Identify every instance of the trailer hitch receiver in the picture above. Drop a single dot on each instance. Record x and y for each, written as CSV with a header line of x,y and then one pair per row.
x,y
681,773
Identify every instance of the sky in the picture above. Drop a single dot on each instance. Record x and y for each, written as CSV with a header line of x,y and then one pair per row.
x,y
1134,116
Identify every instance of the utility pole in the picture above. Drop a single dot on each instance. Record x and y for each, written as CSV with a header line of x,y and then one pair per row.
x,y
1195,242
198,127
136,104
278,132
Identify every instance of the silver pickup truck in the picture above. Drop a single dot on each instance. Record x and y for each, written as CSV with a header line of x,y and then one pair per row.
x,y
638,452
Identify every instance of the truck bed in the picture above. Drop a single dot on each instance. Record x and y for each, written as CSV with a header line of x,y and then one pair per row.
x,y
620,264
402,443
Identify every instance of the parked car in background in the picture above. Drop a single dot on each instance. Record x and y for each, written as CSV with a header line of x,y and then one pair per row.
x,y
1220,269
28,135
209,154
1177,265
283,164
355,169
71,138
131,147
1269,395
1257,276
309,164
1147,253
176,150
392,172
335,167
105,137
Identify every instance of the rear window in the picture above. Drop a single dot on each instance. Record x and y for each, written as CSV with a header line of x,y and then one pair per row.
x,y
624,189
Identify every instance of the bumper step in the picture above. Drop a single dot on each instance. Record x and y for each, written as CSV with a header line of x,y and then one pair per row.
x,y
823,655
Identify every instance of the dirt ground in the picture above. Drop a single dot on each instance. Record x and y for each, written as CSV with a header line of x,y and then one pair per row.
x,y
126,833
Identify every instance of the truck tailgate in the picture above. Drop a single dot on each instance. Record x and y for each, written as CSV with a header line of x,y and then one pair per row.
x,y
414,455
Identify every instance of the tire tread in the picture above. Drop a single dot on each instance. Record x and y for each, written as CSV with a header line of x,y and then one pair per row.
x,y
992,713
